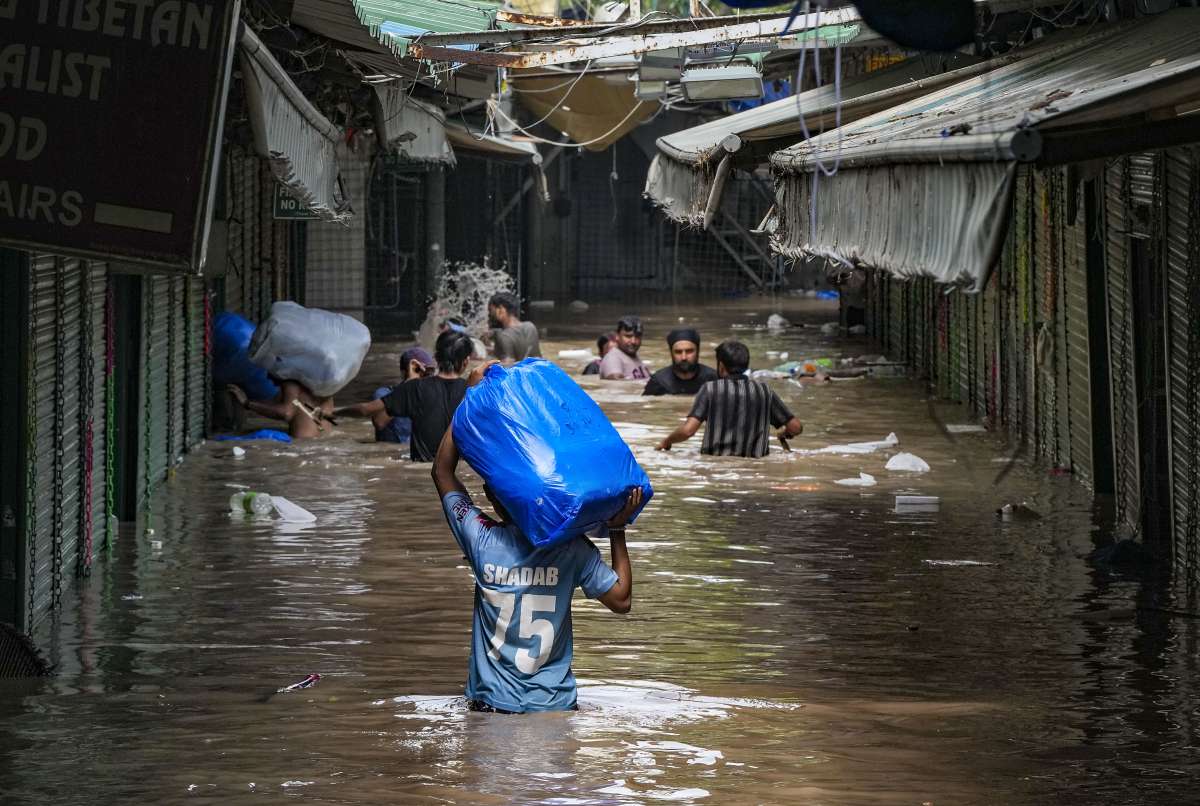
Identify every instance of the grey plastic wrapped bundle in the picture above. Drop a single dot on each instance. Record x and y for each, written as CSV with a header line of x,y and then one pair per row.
x,y
320,349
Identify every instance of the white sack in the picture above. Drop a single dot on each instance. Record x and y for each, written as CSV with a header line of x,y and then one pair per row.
x,y
320,349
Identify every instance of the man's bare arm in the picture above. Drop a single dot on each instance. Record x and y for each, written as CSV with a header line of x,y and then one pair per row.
x,y
619,598
685,431
445,465
276,409
368,409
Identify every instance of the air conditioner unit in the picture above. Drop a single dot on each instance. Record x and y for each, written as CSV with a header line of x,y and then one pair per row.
x,y
728,82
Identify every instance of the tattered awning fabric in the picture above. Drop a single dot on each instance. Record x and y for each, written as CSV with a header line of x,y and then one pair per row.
x,y
942,221
924,188
299,143
682,173
410,127
492,145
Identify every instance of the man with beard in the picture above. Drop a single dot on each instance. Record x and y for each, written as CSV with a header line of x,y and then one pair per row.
x,y
686,374
623,363
512,339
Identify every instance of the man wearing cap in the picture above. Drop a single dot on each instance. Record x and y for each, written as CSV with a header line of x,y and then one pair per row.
x,y
415,362
623,363
686,374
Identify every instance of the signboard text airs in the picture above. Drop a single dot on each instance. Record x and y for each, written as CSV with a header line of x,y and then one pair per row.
x,y
110,117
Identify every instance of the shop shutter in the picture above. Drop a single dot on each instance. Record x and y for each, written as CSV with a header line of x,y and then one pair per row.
x,y
156,325
1077,348
53,427
92,420
1121,347
176,389
1183,361
195,413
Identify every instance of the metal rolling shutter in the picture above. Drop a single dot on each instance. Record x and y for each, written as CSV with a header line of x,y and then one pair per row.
x,y
895,322
53,431
195,412
1045,297
1121,347
41,432
1183,363
92,421
1076,346
964,318
987,372
176,368
918,317
156,323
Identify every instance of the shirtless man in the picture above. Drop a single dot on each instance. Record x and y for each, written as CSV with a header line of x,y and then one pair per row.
x,y
309,419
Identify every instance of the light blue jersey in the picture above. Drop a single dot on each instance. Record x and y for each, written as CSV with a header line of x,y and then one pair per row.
x,y
521,641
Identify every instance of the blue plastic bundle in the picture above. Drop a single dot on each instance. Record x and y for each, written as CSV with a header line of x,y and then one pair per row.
x,y
231,358
546,450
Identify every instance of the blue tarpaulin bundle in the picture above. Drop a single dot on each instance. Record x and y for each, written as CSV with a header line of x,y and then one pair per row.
x,y
231,359
546,450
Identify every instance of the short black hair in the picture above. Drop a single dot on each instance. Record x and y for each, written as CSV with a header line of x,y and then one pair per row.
x,y
734,355
452,350
630,324
506,300
601,340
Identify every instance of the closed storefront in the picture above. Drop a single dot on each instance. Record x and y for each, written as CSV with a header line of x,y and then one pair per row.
x,y
60,489
1123,369
1182,253
78,421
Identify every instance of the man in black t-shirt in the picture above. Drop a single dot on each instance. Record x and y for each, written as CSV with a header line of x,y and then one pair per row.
x,y
740,412
430,401
686,374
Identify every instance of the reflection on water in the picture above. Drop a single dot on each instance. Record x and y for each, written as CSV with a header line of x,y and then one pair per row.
x,y
792,640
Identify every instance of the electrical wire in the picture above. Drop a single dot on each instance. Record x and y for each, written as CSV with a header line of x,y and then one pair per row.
x,y
496,108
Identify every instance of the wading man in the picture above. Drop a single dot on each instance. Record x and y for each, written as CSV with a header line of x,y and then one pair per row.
x,y
512,339
305,414
686,374
521,636
428,401
623,362
740,412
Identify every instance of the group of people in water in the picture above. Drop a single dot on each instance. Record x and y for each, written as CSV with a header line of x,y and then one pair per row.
x,y
517,583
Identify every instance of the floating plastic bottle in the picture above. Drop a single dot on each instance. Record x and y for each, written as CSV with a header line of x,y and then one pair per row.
x,y
250,503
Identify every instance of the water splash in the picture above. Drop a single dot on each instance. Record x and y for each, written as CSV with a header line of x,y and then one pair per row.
x,y
463,291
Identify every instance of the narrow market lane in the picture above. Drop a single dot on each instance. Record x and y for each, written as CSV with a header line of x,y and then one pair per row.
x,y
792,639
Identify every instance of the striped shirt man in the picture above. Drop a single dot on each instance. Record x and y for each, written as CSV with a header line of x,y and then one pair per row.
x,y
738,414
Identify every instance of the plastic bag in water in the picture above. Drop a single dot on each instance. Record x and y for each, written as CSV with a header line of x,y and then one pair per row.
x,y
231,357
320,349
546,450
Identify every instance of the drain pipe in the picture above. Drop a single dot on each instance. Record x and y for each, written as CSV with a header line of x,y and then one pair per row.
x,y
730,144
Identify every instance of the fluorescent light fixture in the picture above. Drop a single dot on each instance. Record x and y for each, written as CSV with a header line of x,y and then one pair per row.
x,y
649,90
721,83
660,65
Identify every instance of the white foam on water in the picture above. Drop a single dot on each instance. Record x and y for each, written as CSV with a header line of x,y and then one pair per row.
x,y
956,562
463,290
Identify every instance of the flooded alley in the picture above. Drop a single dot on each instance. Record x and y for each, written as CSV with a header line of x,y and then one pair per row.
x,y
792,640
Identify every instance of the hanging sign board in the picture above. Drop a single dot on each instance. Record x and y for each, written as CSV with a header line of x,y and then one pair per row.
x,y
111,114
287,206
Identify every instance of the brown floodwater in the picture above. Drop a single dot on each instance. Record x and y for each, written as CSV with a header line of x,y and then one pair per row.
x,y
792,640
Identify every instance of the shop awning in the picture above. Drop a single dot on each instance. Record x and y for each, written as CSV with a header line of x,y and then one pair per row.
x,y
593,110
491,145
924,188
410,127
298,141
681,175
377,34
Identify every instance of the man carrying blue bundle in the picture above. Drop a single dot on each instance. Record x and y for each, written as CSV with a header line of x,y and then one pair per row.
x,y
521,638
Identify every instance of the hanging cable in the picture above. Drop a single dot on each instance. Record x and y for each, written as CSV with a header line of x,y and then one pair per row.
x,y
584,144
